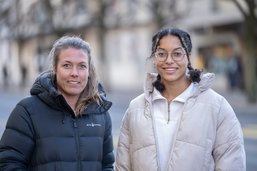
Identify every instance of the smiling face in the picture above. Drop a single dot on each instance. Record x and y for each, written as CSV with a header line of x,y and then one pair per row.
x,y
171,71
72,71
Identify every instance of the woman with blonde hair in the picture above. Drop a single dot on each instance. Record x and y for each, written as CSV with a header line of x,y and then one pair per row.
x,y
64,125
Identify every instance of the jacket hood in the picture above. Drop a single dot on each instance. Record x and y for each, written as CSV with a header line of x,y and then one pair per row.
x,y
44,83
204,84
45,88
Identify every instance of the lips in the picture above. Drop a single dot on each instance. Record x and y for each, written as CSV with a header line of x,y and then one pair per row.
x,y
73,82
170,69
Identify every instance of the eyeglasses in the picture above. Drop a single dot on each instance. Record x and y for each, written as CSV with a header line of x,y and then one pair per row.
x,y
162,55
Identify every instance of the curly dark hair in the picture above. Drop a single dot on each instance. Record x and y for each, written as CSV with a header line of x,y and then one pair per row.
x,y
185,39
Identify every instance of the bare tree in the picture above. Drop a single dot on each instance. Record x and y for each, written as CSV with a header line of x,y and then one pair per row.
x,y
109,17
250,38
99,19
164,11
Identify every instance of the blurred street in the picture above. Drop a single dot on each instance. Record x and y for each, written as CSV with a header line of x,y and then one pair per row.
x,y
246,113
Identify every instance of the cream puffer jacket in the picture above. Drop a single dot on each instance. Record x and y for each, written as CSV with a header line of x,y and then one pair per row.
x,y
209,136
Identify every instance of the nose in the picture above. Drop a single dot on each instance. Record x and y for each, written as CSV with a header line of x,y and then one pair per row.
x,y
169,58
74,72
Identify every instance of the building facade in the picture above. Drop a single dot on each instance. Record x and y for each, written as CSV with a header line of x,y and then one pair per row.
x,y
119,32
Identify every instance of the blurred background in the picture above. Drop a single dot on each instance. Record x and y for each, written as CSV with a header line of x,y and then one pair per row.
x,y
224,35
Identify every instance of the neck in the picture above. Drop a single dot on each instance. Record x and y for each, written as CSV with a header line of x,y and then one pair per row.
x,y
72,101
172,90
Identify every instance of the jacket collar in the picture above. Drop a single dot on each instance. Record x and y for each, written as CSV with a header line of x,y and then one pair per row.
x,y
44,87
205,83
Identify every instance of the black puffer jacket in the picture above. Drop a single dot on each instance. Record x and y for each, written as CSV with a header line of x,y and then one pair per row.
x,y
42,134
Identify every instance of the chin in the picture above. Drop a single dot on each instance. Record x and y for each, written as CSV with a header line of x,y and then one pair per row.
x,y
170,78
74,92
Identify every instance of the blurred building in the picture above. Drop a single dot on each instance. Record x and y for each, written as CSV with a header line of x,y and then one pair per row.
x,y
119,32
216,27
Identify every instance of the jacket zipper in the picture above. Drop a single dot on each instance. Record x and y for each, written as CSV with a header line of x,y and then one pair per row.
x,y
168,113
75,126
176,134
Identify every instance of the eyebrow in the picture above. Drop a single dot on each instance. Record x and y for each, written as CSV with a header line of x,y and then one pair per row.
x,y
173,50
83,62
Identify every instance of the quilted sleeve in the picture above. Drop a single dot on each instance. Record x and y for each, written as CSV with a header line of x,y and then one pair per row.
x,y
17,142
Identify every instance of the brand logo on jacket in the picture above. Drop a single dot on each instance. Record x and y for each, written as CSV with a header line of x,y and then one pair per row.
x,y
93,124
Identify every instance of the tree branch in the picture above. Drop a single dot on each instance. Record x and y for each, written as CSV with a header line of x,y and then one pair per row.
x,y
239,6
251,4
